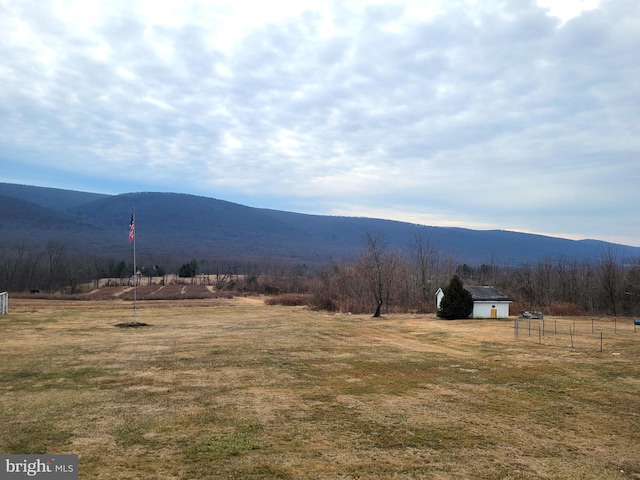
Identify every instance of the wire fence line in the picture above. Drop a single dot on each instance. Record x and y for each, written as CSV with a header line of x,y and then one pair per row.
x,y
595,334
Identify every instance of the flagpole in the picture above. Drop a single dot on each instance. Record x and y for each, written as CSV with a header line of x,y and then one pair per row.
x,y
135,269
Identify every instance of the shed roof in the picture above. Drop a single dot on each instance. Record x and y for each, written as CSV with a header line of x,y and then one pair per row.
x,y
487,294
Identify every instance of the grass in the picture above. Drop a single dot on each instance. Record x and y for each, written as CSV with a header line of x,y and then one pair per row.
x,y
231,388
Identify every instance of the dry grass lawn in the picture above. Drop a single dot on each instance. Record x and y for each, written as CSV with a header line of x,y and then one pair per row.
x,y
231,388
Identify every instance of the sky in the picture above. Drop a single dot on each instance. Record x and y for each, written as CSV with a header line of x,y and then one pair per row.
x,y
518,115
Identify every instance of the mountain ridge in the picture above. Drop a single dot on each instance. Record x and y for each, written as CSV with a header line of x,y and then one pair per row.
x,y
197,227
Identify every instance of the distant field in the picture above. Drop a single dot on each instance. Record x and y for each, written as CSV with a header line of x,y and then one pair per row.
x,y
231,388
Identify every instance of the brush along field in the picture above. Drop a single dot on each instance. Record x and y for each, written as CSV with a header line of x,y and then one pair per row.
x,y
231,388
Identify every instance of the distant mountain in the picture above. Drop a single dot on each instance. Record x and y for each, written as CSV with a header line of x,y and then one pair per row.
x,y
53,198
200,227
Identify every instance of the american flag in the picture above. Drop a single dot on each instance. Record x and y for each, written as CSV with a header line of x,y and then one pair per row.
x,y
132,229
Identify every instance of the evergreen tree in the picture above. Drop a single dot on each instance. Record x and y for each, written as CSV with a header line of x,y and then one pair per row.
x,y
457,302
188,269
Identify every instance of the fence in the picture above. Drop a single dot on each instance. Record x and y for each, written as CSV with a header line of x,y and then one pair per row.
x,y
583,333
4,303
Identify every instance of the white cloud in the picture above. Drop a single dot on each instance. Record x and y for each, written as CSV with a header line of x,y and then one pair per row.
x,y
568,9
518,115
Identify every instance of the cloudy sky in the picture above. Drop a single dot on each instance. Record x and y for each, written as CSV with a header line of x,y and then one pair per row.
x,y
515,114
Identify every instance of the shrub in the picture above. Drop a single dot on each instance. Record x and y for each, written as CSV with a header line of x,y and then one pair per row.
x,y
288,299
565,309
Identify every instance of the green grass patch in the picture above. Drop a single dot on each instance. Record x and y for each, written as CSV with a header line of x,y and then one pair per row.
x,y
228,444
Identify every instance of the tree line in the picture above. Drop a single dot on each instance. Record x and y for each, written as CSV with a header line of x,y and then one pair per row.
x,y
379,280
383,279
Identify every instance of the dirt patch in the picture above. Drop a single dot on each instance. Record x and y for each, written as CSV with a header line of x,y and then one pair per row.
x,y
132,325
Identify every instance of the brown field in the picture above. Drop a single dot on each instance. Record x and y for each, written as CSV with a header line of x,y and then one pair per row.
x,y
232,388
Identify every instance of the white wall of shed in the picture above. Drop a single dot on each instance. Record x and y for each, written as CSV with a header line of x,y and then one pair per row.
x,y
483,309
439,297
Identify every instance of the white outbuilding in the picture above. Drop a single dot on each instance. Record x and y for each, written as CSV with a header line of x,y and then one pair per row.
x,y
488,302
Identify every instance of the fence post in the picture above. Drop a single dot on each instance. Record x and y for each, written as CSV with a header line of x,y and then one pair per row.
x,y
571,336
601,342
4,303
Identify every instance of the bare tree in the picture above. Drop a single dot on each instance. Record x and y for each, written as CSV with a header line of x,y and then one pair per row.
x,y
22,267
631,297
611,277
425,261
55,253
376,268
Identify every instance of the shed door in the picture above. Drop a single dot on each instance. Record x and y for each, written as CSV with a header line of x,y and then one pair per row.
x,y
494,312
